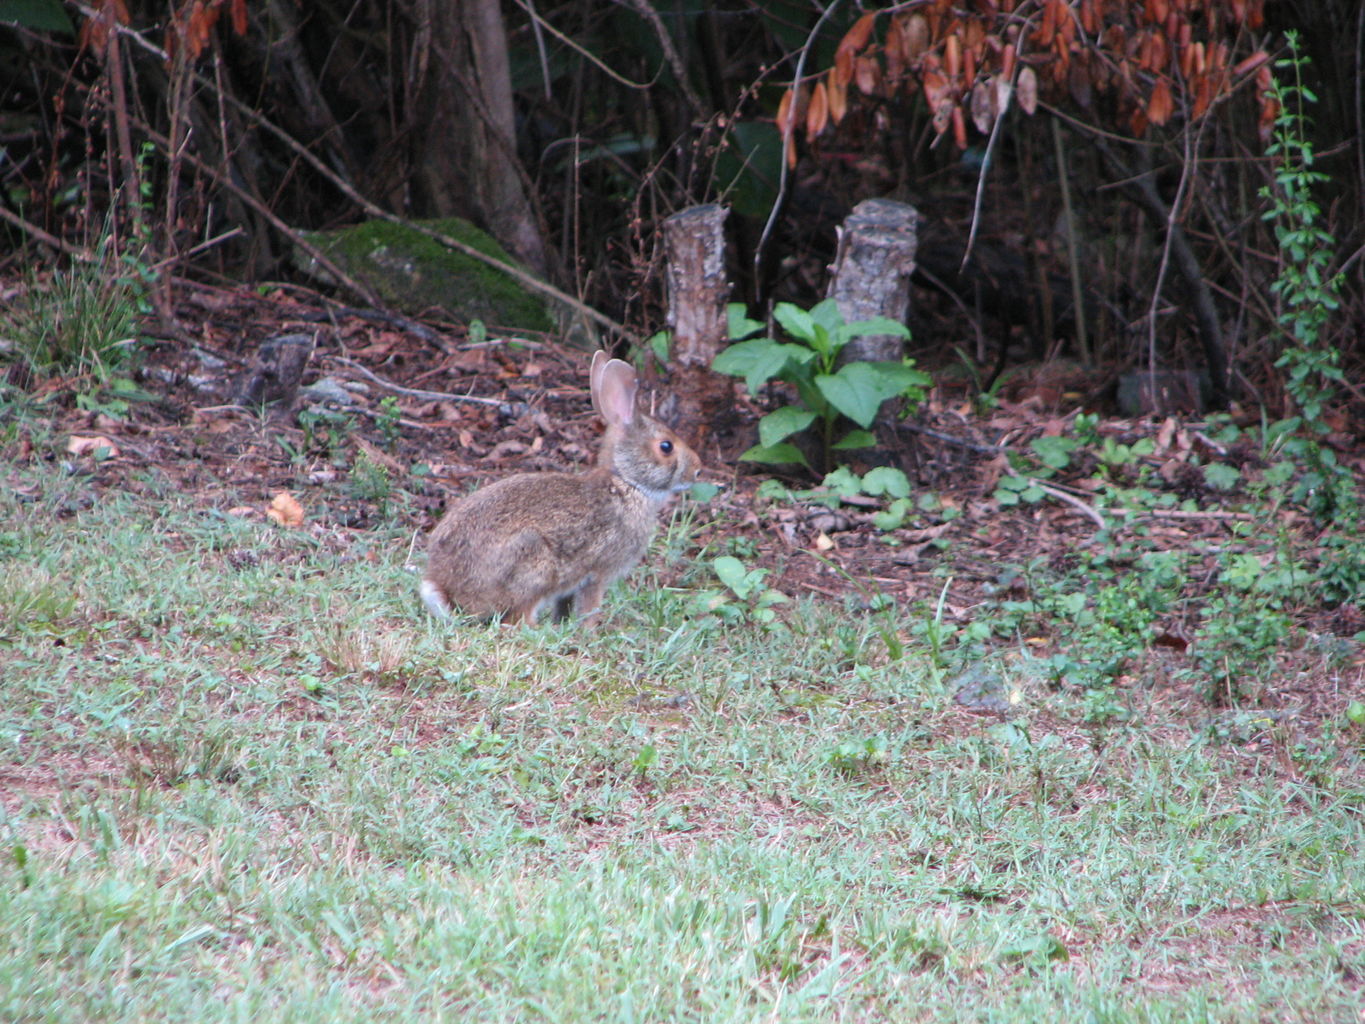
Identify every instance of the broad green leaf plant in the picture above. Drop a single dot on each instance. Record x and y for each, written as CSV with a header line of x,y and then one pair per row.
x,y
827,392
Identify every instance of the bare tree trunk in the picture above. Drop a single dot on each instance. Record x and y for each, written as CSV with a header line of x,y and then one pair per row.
x,y
468,161
697,293
871,273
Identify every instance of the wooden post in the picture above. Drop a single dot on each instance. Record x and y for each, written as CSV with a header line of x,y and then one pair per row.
x,y
694,241
871,273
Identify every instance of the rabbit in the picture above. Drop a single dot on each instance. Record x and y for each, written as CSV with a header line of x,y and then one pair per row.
x,y
558,540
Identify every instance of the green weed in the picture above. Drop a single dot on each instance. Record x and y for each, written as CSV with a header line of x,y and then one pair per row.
x,y
79,321
827,391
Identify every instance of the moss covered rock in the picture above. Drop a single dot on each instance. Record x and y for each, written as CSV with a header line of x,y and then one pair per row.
x,y
413,273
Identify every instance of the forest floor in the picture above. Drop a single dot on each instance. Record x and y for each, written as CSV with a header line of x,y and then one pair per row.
x,y
1075,733
418,422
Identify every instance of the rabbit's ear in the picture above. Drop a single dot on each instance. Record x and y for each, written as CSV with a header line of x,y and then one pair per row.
x,y
613,390
599,360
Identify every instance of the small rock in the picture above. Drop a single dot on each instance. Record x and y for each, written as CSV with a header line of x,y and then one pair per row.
x,y
328,389
981,690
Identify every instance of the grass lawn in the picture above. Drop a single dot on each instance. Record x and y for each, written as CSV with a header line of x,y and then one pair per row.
x,y
242,778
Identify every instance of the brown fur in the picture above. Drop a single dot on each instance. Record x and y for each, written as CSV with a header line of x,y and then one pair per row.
x,y
560,539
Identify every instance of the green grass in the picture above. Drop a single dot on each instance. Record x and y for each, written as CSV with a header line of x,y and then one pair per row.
x,y
243,779
81,320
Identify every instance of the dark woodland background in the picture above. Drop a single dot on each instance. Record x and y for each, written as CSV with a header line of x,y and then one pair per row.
x,y
200,138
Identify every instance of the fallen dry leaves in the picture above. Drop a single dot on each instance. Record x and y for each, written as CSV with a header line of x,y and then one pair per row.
x,y
285,510
81,445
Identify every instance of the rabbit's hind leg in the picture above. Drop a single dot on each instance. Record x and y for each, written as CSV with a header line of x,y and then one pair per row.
x,y
588,601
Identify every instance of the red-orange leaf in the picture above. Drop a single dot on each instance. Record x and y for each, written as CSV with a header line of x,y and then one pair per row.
x,y
936,88
197,29
893,48
1196,60
857,36
842,72
838,100
1203,97
1066,25
1218,56
94,31
1159,106
1160,53
1187,61
1061,63
1089,21
1048,29
817,111
952,56
1250,64
1270,110
784,111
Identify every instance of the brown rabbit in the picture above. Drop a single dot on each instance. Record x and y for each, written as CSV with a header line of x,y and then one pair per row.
x,y
561,539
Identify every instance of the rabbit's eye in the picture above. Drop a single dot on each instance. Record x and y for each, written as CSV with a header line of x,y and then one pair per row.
x,y
666,447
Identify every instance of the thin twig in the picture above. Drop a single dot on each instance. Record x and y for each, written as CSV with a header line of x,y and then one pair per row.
x,y
581,50
332,308
960,442
1182,513
962,306
1172,218
429,396
787,131
675,61
29,228
1073,260
203,246
1070,499
990,148
117,105
225,181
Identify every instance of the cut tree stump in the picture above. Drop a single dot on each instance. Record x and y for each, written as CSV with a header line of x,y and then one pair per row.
x,y
275,372
694,241
871,273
